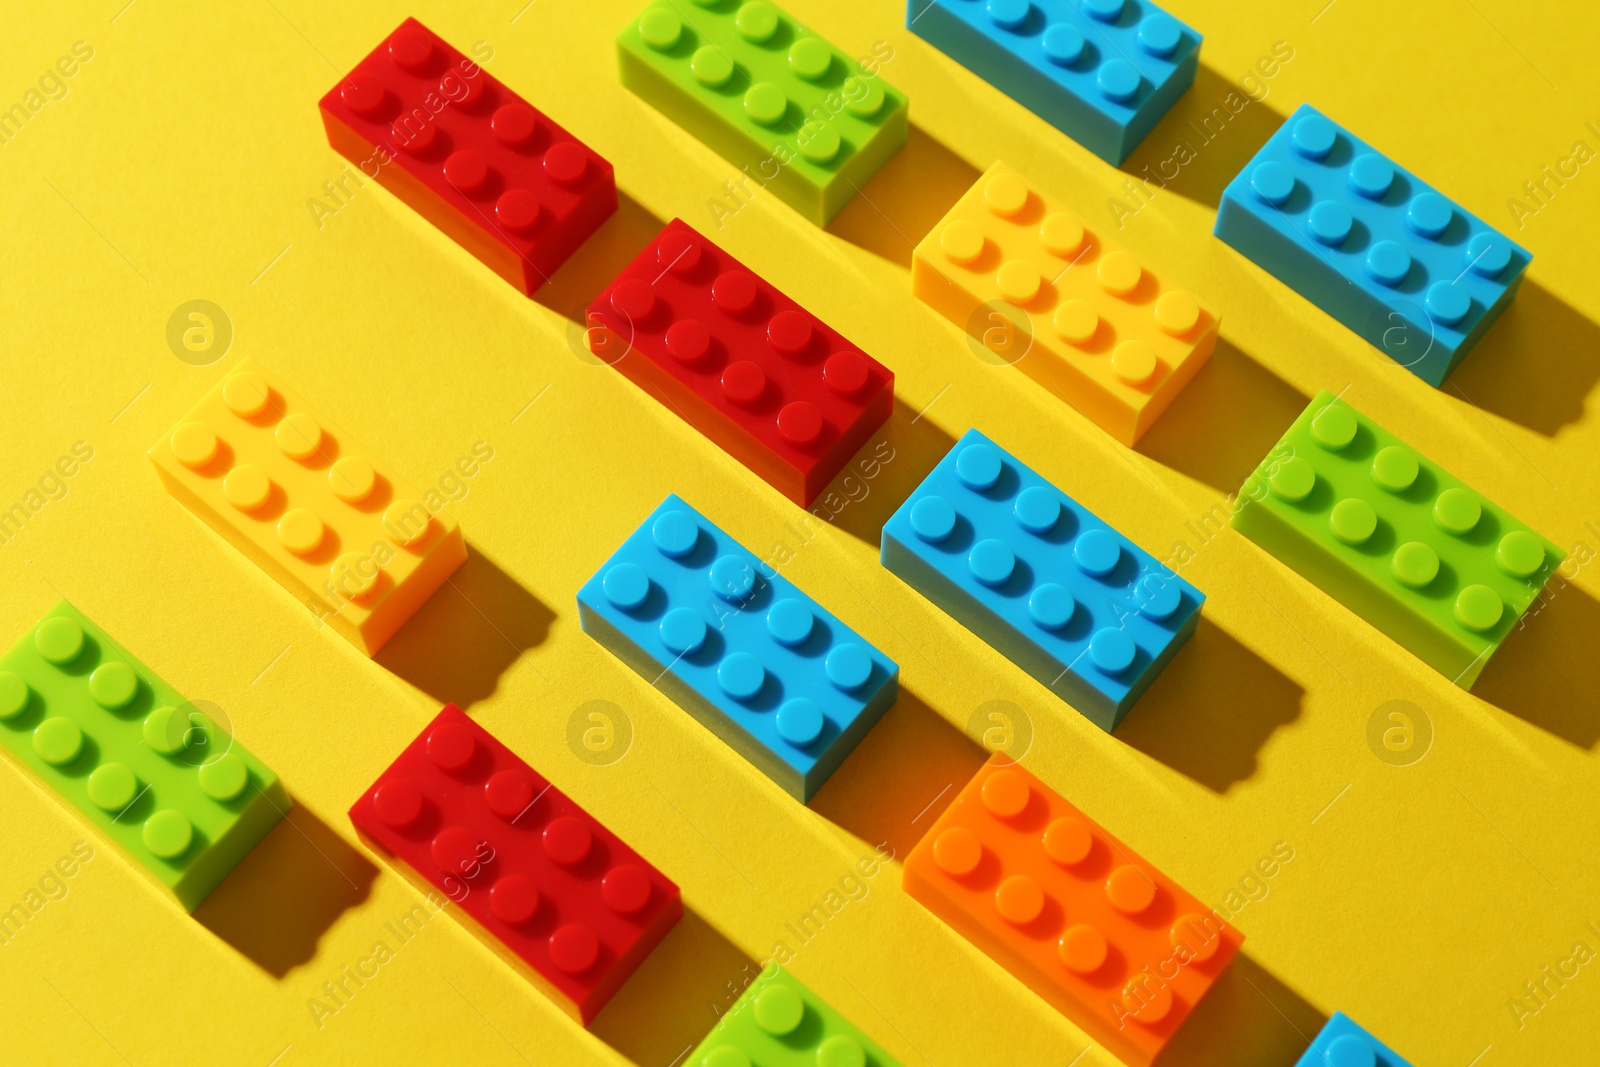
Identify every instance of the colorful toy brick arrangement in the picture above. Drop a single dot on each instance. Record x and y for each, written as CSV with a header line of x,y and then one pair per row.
x,y
1011,865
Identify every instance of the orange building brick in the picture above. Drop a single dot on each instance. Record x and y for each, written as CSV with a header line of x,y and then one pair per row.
x,y
1073,309
289,490
1114,944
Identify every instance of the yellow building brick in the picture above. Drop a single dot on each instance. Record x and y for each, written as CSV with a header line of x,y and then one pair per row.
x,y
1072,308
336,529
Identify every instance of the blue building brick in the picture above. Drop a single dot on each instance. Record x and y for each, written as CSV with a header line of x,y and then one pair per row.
x,y
1022,565
1371,244
738,646
1101,71
1342,1043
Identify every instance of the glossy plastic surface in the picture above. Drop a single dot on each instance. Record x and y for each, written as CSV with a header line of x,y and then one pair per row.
x,y
337,529
1064,596
148,769
1370,243
469,155
549,885
1117,946
773,385
799,117
1102,72
1343,1043
738,646
778,1022
1397,539
1065,303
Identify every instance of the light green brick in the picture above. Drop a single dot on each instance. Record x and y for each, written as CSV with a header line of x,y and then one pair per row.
x,y
151,771
797,115
778,1022
1395,538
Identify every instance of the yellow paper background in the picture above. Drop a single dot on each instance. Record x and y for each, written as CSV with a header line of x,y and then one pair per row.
x,y
179,165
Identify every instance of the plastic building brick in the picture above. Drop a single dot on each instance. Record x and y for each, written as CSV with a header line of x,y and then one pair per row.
x,y
778,1022
1074,310
1073,913
1103,72
772,384
1342,1043
148,769
1086,612
797,115
738,646
469,155
1395,538
557,895
1370,243
336,529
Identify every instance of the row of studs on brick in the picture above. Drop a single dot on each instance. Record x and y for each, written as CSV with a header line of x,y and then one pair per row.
x,y
737,293
778,1010
1456,511
740,675
299,436
1037,510
1387,262
1157,34
1019,899
513,125
1118,273
764,102
112,786
514,899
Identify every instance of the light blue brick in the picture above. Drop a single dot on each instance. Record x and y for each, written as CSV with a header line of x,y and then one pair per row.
x,y
1101,71
1342,1043
1002,550
738,646
1371,244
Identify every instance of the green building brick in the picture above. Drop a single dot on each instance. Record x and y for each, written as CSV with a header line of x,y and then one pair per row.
x,y
778,1022
793,112
1395,538
147,768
